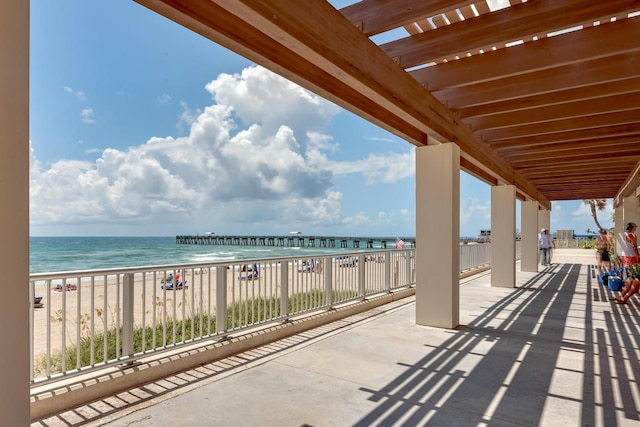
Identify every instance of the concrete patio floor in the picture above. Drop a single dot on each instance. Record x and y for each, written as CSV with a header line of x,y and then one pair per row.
x,y
554,351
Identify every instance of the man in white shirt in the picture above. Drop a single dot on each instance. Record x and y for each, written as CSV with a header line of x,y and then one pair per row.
x,y
545,243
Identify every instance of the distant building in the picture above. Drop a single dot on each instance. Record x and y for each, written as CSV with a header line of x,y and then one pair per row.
x,y
485,236
565,234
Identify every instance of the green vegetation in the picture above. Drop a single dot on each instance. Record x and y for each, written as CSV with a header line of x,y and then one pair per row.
x,y
172,331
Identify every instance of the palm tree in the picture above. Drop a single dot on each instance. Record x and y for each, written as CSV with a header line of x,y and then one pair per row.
x,y
596,205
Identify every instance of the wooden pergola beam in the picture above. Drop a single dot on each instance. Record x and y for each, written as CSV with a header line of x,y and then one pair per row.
x,y
583,75
594,92
571,124
608,39
548,113
511,24
375,16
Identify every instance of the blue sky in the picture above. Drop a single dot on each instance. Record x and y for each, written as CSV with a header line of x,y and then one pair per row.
x,y
140,127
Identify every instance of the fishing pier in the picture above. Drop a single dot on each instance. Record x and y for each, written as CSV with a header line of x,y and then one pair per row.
x,y
295,241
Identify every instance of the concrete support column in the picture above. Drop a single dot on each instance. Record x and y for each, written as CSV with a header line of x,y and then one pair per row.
x,y
503,236
544,220
438,235
619,226
529,236
631,208
14,227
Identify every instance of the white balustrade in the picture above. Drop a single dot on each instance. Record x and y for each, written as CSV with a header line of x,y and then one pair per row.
x,y
89,319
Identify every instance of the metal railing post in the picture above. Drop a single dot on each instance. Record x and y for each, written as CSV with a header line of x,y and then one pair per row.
x,y
127,315
328,280
221,298
408,257
284,289
387,271
361,276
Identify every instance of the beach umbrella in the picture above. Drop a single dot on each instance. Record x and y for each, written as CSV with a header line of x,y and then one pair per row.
x,y
399,244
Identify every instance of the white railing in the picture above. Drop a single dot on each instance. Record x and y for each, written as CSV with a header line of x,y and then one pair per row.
x,y
474,256
90,319
575,243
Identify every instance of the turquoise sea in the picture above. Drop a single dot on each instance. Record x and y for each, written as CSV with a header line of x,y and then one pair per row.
x,y
56,254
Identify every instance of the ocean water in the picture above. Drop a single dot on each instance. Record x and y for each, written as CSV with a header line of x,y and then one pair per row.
x,y
56,254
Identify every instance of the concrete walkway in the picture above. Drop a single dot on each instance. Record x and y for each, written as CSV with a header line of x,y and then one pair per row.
x,y
554,351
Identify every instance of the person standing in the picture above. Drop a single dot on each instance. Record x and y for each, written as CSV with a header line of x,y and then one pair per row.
x,y
545,243
629,245
603,246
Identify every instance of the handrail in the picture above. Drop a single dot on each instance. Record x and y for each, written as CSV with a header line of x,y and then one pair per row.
x,y
90,319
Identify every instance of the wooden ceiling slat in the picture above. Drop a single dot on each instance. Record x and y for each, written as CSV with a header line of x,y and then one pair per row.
x,y
548,113
482,7
594,93
613,178
467,12
579,186
621,163
631,149
584,74
603,155
507,25
591,145
376,16
425,25
568,136
586,194
563,125
439,21
412,29
578,46
581,180
453,16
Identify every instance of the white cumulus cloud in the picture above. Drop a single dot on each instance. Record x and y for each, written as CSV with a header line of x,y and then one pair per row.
x,y
258,154
87,115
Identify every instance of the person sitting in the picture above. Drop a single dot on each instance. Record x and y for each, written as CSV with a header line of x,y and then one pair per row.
x,y
177,281
630,289
631,285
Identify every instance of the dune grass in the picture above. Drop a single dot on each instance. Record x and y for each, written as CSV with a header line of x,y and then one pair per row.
x,y
102,347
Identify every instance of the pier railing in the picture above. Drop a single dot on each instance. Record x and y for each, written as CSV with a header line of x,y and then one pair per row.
x,y
296,241
85,320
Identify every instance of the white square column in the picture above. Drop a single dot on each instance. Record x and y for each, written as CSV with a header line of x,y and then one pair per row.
x,y
14,227
544,220
631,212
619,226
529,235
503,236
438,235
